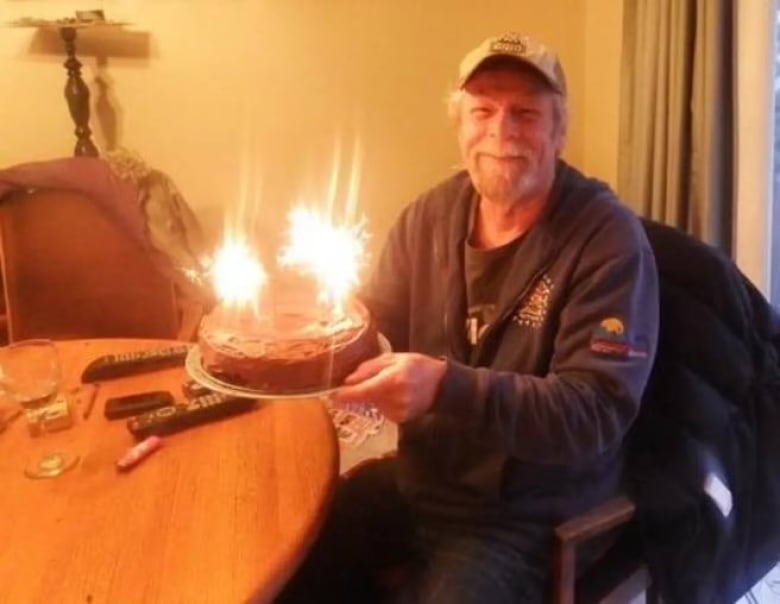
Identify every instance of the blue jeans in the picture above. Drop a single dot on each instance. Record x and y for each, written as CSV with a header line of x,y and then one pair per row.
x,y
373,548
481,568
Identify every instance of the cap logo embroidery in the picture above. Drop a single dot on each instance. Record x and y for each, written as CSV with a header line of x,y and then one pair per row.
x,y
533,309
509,44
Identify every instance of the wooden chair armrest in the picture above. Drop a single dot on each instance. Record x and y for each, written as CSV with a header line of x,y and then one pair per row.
x,y
596,521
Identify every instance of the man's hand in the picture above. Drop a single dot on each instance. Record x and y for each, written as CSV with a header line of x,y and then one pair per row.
x,y
402,386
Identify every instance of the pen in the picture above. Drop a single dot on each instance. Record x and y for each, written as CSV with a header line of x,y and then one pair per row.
x,y
7,421
91,400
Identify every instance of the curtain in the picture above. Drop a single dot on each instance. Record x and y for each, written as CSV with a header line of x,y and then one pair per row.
x,y
676,115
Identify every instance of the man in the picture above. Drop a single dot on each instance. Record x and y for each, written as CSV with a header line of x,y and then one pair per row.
x,y
521,302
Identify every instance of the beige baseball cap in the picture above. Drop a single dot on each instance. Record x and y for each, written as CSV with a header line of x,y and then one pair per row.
x,y
519,47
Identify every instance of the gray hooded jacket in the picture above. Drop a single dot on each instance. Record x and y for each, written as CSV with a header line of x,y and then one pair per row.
x,y
529,422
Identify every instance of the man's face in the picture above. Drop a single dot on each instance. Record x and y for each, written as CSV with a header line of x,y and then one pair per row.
x,y
508,135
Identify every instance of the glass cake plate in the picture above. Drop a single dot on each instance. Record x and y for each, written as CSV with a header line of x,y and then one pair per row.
x,y
194,366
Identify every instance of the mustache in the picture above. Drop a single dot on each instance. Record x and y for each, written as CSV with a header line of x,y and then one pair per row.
x,y
514,153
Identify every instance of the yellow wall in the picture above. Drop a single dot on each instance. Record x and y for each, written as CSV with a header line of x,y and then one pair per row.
x,y
601,94
230,96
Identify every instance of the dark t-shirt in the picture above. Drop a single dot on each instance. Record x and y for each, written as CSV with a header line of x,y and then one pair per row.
x,y
485,272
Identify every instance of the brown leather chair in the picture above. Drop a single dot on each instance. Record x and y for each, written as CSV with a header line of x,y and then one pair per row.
x,y
69,271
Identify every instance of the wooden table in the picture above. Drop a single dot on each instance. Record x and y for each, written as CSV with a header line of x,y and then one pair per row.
x,y
223,512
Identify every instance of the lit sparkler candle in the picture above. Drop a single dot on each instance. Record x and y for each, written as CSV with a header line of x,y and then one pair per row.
x,y
238,280
332,254
307,334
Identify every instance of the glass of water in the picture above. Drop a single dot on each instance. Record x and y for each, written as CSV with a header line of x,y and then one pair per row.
x,y
30,375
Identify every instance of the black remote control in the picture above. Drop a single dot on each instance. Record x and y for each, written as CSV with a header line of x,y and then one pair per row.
x,y
168,420
192,389
130,363
119,407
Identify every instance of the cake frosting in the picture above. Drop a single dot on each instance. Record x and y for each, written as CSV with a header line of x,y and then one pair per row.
x,y
289,345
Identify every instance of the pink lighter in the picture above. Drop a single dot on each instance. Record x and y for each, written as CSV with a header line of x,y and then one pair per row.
x,y
138,452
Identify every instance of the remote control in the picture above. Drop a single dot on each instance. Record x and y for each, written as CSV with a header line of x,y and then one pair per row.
x,y
130,363
192,389
119,407
168,420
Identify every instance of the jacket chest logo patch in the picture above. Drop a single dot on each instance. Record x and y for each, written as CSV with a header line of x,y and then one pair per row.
x,y
533,309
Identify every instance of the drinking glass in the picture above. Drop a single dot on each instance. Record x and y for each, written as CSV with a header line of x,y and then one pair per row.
x,y
30,375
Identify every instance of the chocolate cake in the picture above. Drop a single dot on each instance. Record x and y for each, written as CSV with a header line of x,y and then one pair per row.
x,y
294,350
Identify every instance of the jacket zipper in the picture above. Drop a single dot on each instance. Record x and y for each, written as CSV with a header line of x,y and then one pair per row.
x,y
508,310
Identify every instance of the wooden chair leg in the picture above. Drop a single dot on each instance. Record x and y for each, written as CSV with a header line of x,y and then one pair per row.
x,y
564,574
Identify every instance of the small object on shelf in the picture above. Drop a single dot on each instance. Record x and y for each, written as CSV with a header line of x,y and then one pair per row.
x,y
90,16
87,18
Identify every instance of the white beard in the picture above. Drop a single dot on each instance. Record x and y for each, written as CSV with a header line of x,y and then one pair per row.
x,y
505,184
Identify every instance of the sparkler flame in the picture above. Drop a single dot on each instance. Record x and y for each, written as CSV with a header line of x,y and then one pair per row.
x,y
238,275
329,255
332,254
